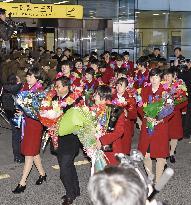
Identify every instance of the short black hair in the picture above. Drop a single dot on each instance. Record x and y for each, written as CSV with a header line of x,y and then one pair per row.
x,y
93,53
178,48
126,53
67,49
122,71
171,70
90,71
2,11
156,48
35,70
102,64
104,91
94,61
64,80
119,58
106,52
143,60
155,72
65,62
122,80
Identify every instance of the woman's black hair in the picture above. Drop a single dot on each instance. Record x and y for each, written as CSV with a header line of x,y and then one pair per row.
x,y
64,80
104,91
122,80
35,70
171,70
143,60
122,71
156,72
90,71
12,79
66,62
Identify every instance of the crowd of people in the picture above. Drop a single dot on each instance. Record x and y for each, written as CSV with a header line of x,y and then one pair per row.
x,y
105,80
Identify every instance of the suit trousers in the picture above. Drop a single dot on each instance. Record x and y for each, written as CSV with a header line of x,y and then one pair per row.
x,y
68,148
187,123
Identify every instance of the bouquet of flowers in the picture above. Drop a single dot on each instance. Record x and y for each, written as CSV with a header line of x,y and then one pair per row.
x,y
50,112
29,103
120,101
89,127
180,91
158,110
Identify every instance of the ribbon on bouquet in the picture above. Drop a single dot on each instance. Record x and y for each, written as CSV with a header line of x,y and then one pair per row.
x,y
23,127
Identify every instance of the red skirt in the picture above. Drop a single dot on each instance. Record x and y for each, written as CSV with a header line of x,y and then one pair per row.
x,y
158,142
31,143
175,126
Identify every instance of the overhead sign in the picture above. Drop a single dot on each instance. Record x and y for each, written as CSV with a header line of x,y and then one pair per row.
x,y
28,10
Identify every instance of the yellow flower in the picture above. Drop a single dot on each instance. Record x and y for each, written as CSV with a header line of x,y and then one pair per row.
x,y
139,91
144,104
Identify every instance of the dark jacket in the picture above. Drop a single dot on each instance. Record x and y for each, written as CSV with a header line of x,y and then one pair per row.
x,y
9,91
186,77
5,31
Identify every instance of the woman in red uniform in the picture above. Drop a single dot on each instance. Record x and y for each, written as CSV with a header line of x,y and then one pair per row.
x,y
155,145
30,145
113,138
175,123
123,96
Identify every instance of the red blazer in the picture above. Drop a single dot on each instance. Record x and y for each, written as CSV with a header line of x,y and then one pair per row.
x,y
159,141
175,123
114,138
107,75
93,84
129,122
141,78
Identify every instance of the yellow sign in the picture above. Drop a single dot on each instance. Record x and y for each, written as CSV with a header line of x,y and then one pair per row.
x,y
28,10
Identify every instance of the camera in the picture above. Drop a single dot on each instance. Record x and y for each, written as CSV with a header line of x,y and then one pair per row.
x,y
16,26
182,65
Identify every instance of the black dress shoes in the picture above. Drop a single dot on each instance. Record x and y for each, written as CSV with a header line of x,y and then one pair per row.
x,y
41,179
19,189
67,200
172,159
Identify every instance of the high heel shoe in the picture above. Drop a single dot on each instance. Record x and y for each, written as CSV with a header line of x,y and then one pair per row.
x,y
19,189
41,179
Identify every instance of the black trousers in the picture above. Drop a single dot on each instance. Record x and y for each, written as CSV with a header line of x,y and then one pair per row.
x,y
68,148
16,143
187,123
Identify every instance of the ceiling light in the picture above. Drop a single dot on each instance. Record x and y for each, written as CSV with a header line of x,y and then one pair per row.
x,y
7,1
155,14
62,2
137,12
163,13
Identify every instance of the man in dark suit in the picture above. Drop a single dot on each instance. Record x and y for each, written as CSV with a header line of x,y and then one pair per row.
x,y
68,148
5,30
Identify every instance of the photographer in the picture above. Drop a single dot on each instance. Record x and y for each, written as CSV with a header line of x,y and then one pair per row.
x,y
185,75
117,186
5,29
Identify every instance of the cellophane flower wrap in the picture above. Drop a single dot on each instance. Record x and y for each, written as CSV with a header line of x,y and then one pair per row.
x,y
29,101
158,109
84,122
51,110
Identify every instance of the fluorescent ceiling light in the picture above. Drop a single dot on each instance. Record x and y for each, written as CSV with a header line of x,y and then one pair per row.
x,y
163,13
137,12
7,1
155,14
62,2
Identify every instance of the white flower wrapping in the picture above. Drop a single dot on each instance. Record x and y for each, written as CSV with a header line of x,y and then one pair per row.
x,y
50,114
